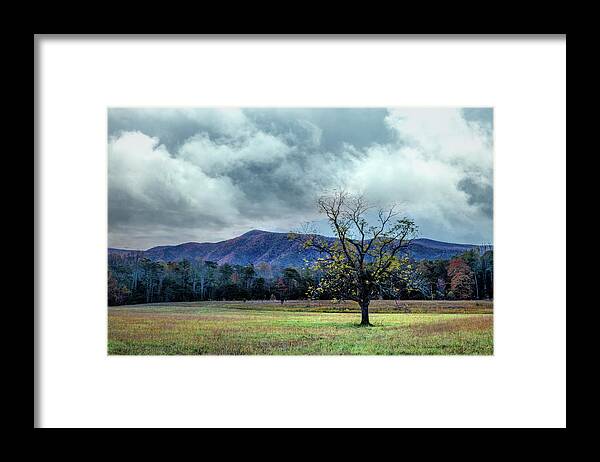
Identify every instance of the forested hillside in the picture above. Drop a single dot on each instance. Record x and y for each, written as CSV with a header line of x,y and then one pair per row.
x,y
183,273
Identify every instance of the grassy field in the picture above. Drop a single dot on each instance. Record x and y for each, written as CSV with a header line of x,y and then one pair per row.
x,y
300,328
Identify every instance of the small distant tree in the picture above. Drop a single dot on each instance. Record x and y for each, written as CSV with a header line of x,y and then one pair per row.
x,y
427,271
235,278
265,270
441,286
487,268
248,276
226,273
259,290
281,288
461,279
364,256
117,295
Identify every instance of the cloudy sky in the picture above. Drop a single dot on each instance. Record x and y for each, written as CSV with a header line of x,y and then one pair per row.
x,y
180,175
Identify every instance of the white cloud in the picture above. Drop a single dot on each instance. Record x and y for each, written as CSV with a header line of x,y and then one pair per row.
x,y
219,157
436,149
144,179
445,135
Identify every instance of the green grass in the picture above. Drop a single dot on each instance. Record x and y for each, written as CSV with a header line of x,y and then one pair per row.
x,y
236,328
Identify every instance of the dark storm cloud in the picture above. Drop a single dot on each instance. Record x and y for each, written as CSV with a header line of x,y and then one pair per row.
x,y
171,132
174,126
207,174
480,194
338,126
335,127
481,115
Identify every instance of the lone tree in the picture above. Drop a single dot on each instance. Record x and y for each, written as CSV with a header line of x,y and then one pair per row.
x,y
365,257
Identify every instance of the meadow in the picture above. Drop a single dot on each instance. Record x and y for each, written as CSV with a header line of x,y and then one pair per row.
x,y
301,328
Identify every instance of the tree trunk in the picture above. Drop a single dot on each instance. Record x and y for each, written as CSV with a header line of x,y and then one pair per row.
x,y
364,313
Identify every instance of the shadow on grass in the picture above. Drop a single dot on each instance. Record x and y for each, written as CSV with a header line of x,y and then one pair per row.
x,y
364,326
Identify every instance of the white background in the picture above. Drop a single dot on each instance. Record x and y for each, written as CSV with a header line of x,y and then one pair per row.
x,y
523,384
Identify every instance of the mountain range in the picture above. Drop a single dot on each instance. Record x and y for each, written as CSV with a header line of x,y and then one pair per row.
x,y
277,249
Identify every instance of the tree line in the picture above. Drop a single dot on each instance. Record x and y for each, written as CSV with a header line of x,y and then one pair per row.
x,y
467,276
134,279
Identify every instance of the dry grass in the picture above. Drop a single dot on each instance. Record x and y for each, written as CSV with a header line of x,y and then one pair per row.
x,y
347,306
224,329
464,324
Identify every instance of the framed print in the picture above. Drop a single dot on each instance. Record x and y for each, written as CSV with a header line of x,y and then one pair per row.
x,y
300,231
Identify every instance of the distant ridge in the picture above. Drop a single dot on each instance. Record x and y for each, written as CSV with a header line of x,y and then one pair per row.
x,y
258,246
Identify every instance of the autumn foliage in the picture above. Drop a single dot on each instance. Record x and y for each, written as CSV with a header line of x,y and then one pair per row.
x,y
461,279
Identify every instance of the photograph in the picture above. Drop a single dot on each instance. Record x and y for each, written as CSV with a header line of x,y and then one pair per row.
x,y
300,231
245,231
